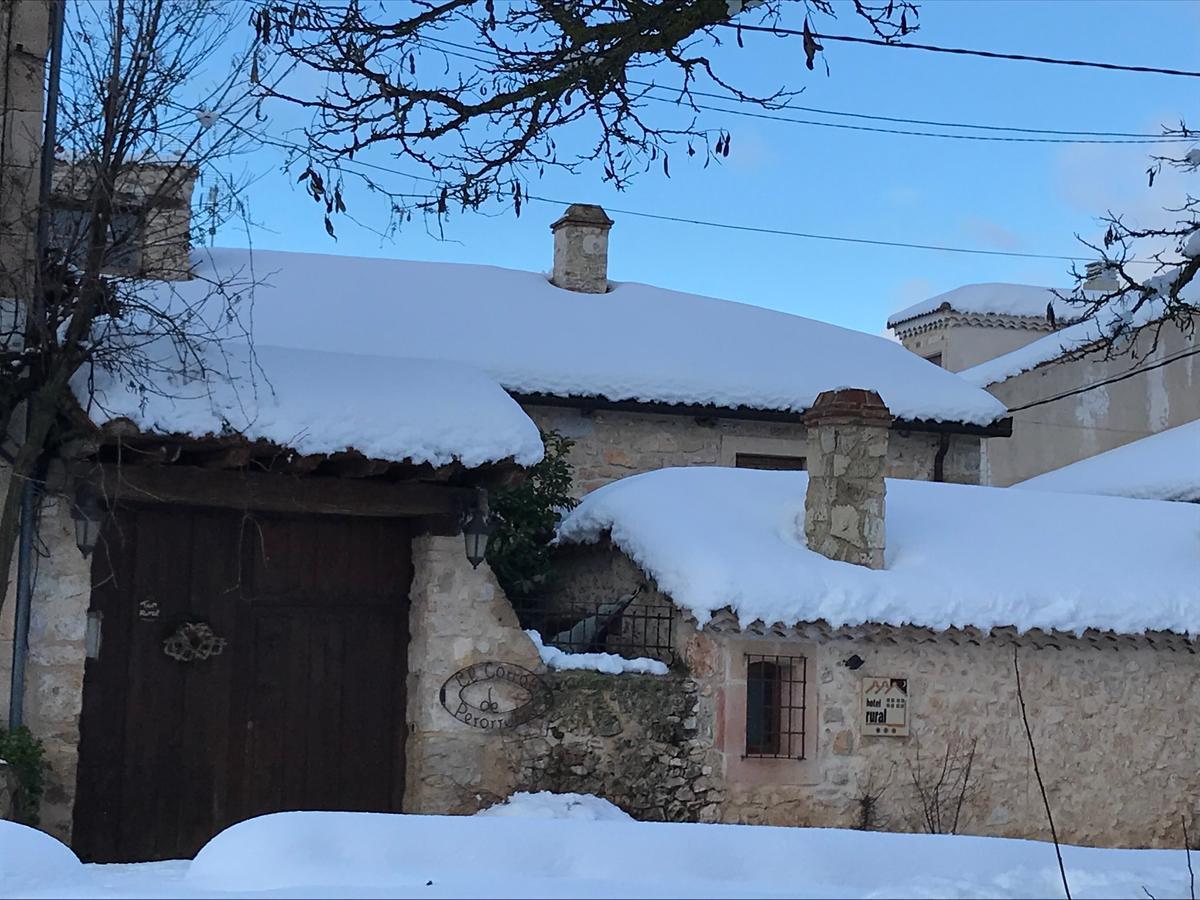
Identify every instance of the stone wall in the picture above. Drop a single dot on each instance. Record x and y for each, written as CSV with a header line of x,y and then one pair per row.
x,y
1052,435
460,617
161,193
1115,725
24,39
1115,721
643,742
54,672
612,445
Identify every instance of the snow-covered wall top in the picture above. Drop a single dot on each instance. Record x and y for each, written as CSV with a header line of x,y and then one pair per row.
x,y
634,343
427,411
957,555
995,298
1163,466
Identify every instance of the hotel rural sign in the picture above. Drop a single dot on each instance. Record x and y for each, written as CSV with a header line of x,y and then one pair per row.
x,y
493,695
884,706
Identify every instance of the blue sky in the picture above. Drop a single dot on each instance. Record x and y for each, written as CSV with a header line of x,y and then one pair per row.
x,y
1004,196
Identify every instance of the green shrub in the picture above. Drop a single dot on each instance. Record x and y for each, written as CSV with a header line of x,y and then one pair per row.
x,y
526,516
25,754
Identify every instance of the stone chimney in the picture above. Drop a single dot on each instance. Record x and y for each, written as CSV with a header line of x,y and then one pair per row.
x,y
847,458
581,249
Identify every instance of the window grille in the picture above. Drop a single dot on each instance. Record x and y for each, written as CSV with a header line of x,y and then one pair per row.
x,y
617,626
775,706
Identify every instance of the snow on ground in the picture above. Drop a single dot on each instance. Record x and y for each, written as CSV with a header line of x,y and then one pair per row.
x,y
1163,466
549,805
429,411
330,854
609,663
957,555
995,298
635,342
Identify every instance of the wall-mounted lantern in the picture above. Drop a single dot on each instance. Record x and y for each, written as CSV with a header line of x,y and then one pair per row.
x,y
477,527
88,513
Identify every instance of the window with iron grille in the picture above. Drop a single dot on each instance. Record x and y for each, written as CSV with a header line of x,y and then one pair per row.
x,y
775,706
617,626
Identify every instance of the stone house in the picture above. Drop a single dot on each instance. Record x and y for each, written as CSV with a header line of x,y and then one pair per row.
x,y
1067,404
256,524
838,665
253,590
977,322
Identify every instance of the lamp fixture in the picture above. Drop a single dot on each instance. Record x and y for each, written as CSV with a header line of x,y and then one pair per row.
x,y
477,527
88,513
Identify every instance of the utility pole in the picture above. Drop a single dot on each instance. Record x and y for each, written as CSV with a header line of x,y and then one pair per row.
x,y
34,327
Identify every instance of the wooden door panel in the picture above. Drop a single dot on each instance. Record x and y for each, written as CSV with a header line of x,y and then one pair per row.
x,y
303,709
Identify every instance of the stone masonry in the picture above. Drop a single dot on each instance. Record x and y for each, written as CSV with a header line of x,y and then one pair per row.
x,y
24,39
610,445
581,249
847,461
1114,719
643,742
54,672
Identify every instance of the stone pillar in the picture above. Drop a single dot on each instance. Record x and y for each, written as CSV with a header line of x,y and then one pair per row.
x,y
459,616
581,249
847,459
24,39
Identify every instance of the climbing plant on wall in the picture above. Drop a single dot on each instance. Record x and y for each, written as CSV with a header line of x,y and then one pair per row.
x,y
526,517
25,756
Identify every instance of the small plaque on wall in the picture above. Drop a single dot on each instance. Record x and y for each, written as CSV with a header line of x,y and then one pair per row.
x,y
884,706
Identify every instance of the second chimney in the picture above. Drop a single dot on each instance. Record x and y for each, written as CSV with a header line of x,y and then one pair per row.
x,y
581,249
847,457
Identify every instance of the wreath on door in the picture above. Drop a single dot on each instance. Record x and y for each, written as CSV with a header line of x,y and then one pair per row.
x,y
193,641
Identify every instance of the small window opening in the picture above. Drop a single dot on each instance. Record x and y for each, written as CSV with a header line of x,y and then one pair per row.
x,y
935,358
775,706
770,461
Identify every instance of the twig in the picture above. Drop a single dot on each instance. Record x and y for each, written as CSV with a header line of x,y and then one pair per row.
x,y
1187,848
1038,774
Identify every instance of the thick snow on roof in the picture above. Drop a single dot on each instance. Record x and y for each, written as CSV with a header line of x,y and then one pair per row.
x,y
1115,318
956,555
314,403
634,343
1163,466
996,298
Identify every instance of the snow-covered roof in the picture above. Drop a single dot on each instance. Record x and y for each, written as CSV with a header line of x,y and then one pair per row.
x,y
635,342
1163,466
1117,317
423,410
995,298
957,555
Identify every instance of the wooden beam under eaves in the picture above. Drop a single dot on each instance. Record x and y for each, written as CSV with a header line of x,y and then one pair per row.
x,y
272,492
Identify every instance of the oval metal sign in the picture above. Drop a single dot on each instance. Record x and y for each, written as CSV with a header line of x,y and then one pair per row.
x,y
494,695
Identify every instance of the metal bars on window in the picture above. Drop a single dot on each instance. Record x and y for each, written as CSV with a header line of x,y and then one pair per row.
x,y
775,706
620,627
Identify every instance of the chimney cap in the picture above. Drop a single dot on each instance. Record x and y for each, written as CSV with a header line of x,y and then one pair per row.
x,y
849,405
584,214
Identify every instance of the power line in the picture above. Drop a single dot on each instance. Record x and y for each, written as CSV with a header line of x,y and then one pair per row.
x,y
928,122
955,137
707,223
961,51
1059,137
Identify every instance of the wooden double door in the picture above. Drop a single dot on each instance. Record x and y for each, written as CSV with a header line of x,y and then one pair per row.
x,y
247,664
